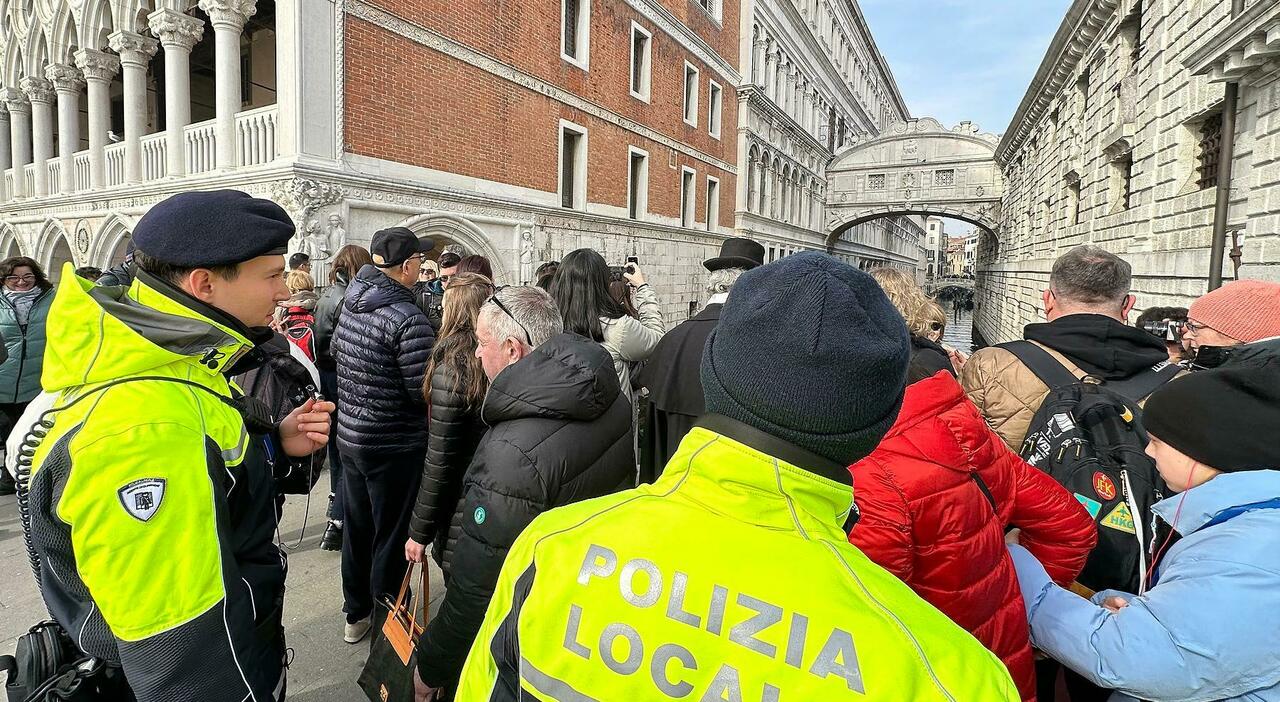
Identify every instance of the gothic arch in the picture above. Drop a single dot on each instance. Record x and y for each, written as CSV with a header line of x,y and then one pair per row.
x,y
52,233
63,39
96,24
10,243
460,230
115,230
13,63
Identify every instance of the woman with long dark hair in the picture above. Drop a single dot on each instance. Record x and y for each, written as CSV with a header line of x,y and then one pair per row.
x,y
455,393
349,260
24,309
581,290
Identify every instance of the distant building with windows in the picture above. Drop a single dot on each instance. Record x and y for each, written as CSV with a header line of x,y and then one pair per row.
x,y
620,125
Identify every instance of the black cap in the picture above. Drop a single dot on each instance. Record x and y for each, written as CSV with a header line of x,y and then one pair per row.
x,y
392,247
213,228
298,259
737,253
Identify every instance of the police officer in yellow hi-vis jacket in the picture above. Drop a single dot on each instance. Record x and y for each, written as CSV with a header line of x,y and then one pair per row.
x,y
731,577
152,504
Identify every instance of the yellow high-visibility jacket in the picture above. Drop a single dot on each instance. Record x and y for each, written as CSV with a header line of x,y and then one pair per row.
x,y
730,578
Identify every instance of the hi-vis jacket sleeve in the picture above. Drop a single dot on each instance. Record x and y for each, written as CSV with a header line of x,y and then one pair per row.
x,y
146,508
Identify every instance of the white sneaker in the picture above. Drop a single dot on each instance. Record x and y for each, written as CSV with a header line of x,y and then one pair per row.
x,y
355,633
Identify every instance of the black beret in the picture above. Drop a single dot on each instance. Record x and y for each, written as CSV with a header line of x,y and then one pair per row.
x,y
214,228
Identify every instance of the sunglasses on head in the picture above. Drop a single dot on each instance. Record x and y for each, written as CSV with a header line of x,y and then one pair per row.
x,y
494,299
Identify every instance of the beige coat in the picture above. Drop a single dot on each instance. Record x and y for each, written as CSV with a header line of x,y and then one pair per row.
x,y
630,341
1006,391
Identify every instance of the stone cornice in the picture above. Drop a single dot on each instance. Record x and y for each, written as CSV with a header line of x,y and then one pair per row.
x,y
1241,46
752,96
1081,26
97,65
175,29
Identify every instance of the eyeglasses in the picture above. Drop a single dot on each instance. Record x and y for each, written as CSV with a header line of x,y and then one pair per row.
x,y
936,326
1191,327
28,278
494,299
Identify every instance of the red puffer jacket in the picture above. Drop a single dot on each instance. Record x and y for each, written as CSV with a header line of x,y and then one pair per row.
x,y
925,519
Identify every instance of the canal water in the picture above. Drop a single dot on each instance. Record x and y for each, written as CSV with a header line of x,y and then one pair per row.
x,y
959,334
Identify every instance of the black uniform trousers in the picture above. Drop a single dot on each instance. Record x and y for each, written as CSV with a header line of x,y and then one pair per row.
x,y
379,492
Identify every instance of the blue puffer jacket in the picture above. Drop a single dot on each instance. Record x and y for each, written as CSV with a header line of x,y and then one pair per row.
x,y
1209,629
381,346
20,373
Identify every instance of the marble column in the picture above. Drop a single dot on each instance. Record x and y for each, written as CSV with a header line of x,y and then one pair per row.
x,y
771,74
135,52
228,18
40,94
98,68
177,33
5,155
67,82
19,136
757,61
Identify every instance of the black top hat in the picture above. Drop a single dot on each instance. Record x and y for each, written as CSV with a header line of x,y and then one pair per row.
x,y
737,253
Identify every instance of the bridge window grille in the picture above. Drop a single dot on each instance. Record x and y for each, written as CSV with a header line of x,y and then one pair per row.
x,y
944,178
875,181
1209,152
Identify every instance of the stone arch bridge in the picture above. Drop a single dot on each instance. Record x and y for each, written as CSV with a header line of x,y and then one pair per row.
x,y
917,167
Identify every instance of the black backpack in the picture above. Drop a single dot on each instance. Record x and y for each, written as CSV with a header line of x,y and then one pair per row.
x,y
47,667
1088,436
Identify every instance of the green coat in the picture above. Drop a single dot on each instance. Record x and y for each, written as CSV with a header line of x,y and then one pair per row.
x,y
20,372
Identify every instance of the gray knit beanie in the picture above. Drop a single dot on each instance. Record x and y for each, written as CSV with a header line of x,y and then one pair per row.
x,y
809,349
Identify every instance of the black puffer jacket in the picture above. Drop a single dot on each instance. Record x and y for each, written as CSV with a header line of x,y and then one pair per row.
x,y
381,346
327,312
454,433
560,432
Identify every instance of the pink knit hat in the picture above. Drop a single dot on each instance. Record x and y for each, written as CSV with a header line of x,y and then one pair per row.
x,y
1247,310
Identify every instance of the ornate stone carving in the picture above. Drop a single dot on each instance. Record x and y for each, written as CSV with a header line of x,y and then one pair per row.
x,y
15,100
134,48
229,13
175,29
527,256
65,77
336,237
38,89
302,198
97,65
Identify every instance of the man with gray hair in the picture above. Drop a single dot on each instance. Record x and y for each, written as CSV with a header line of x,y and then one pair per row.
x,y
559,432
1087,306
671,373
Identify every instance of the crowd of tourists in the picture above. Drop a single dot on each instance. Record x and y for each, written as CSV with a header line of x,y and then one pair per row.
x,y
797,493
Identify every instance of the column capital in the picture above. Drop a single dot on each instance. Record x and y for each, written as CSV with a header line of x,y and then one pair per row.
x,y
97,65
15,100
65,77
38,90
175,29
134,49
229,13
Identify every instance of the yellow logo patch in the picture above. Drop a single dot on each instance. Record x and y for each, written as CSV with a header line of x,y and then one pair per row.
x,y
1120,519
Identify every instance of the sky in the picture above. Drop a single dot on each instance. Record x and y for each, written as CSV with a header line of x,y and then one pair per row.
x,y
958,60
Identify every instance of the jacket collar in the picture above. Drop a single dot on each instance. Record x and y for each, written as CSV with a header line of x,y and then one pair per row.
x,y
1200,504
734,478
777,448
1101,346
710,313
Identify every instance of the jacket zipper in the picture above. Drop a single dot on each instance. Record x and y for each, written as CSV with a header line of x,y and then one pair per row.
x,y
1139,531
22,356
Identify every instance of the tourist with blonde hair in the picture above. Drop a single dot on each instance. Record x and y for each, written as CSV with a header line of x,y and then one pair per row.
x,y
925,321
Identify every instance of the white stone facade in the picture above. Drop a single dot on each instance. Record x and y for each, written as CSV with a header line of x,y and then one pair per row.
x,y
813,82
1114,144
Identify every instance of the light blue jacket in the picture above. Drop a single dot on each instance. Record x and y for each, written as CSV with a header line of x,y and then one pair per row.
x,y
1209,629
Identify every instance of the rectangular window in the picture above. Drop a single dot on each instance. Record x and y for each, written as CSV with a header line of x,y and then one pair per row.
x,y
638,183
875,181
714,105
641,61
711,7
1121,183
687,188
575,19
1209,152
573,166
690,94
713,204
945,178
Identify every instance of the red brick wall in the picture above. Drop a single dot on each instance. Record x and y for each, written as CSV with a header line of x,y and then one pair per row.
x,y
407,103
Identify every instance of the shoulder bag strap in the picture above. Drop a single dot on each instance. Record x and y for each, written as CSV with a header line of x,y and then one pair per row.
x,y
1143,384
1048,369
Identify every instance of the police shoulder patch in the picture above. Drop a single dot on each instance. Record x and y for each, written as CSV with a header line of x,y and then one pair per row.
x,y
142,498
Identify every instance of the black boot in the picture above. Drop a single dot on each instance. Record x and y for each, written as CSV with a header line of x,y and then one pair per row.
x,y
332,538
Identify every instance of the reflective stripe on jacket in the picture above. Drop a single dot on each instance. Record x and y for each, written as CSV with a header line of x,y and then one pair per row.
x,y
728,578
152,507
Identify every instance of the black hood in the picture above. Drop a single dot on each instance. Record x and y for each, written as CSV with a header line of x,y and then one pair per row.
x,y
1222,356
372,289
1101,346
567,377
